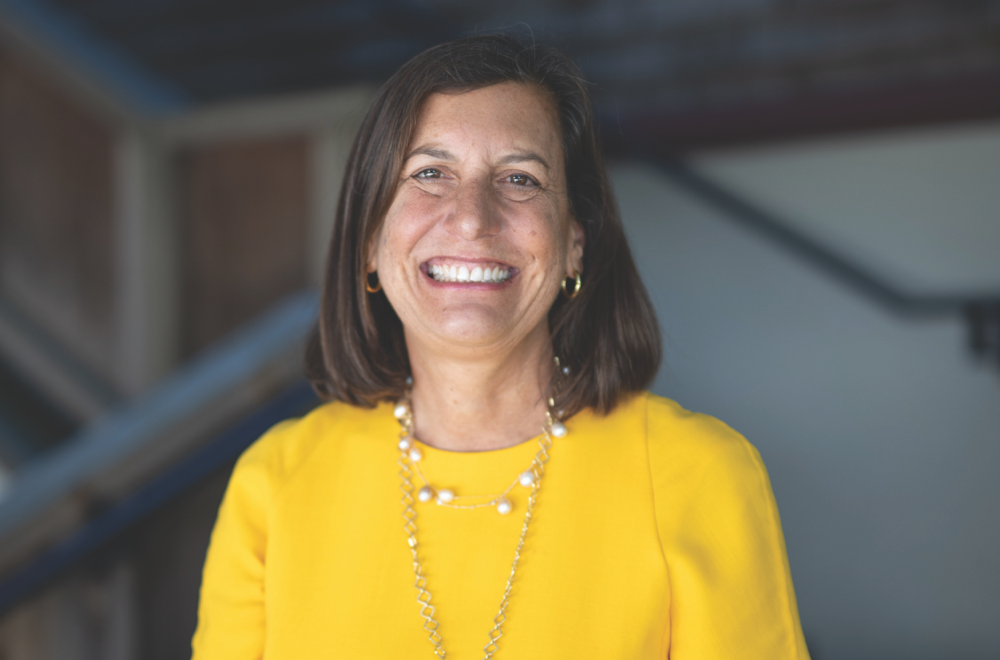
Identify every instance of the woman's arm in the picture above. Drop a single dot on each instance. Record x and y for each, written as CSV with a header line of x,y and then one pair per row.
x,y
731,589
231,613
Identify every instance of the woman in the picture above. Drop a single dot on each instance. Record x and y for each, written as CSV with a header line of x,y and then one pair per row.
x,y
485,340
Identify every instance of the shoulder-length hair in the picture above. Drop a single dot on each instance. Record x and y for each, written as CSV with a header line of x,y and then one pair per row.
x,y
607,335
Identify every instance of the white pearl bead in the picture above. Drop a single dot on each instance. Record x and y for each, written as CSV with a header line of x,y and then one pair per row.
x,y
400,411
504,506
405,444
558,429
527,478
415,454
445,495
425,494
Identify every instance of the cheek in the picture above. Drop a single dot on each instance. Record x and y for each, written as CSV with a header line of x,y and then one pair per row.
x,y
410,216
547,250
547,236
400,230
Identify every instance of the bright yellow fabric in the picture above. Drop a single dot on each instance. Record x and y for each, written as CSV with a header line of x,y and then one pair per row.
x,y
655,535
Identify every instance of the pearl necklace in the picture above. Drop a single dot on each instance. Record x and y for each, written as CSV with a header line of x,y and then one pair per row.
x,y
409,458
446,496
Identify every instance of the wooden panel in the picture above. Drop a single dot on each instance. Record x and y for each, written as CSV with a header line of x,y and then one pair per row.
x,y
245,216
56,217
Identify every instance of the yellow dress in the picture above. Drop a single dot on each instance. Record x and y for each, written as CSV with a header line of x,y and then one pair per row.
x,y
655,535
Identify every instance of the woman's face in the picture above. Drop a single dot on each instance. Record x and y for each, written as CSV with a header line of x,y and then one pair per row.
x,y
479,236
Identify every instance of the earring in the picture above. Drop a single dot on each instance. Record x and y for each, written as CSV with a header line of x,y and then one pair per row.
x,y
577,285
372,288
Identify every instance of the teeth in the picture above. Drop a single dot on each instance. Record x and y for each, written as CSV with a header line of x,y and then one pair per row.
x,y
463,274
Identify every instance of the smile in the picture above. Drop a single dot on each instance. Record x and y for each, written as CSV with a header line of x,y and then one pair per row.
x,y
461,272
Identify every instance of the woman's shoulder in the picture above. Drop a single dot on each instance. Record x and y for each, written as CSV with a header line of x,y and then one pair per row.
x,y
673,428
678,441
283,448
691,452
675,438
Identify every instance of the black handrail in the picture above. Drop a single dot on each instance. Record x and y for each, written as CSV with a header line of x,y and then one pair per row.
x,y
981,312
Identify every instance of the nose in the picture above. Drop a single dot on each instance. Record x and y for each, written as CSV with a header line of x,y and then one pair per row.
x,y
475,214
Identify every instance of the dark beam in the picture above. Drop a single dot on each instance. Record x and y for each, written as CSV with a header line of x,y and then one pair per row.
x,y
371,63
144,19
270,49
965,98
220,49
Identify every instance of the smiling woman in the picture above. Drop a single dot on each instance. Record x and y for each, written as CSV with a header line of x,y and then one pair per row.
x,y
477,194
483,333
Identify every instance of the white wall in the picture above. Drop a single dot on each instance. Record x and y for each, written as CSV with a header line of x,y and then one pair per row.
x,y
882,436
920,206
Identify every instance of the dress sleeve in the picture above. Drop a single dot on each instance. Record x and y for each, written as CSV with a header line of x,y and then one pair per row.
x,y
231,613
731,588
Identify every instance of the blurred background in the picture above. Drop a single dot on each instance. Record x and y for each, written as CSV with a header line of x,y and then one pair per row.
x,y
811,187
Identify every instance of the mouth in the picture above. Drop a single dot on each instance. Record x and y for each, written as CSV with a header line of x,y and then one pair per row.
x,y
442,269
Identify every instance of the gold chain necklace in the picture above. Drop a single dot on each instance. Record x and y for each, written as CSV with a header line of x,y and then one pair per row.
x,y
407,465
447,497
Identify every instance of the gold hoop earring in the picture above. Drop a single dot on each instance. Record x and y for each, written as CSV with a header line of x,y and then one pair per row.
x,y
368,283
577,285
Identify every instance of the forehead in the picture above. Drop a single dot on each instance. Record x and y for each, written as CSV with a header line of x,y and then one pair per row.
x,y
504,116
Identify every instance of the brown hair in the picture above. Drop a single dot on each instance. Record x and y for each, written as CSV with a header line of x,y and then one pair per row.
x,y
607,335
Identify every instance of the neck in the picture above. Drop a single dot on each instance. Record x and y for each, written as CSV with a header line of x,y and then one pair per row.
x,y
491,401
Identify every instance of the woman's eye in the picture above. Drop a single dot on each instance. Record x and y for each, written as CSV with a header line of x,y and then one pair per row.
x,y
521,180
429,173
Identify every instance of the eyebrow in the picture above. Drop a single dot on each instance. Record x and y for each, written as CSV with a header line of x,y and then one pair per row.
x,y
440,154
509,159
522,156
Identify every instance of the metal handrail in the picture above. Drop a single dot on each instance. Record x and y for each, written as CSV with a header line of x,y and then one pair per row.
x,y
981,311
223,449
246,359
97,389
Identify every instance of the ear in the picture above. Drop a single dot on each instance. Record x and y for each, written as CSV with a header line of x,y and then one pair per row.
x,y
574,256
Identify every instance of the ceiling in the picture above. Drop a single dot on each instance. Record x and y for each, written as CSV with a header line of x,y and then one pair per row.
x,y
668,75
683,62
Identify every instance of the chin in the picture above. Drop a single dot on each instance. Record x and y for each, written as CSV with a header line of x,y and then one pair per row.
x,y
474,330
